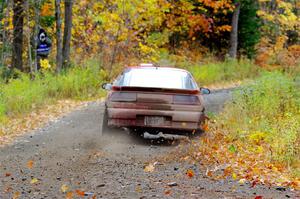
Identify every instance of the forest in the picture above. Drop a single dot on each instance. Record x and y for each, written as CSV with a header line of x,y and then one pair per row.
x,y
111,32
250,44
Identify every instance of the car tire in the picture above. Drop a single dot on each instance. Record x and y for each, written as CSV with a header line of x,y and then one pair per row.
x,y
104,126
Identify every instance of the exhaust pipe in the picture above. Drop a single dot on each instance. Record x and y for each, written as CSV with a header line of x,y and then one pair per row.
x,y
162,135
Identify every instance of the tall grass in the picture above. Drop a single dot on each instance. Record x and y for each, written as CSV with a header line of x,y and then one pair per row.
x,y
219,72
267,113
23,94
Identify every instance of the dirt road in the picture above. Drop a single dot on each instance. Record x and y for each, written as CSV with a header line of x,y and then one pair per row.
x,y
71,154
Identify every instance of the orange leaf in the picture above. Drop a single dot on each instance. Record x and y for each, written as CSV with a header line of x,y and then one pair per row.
x,y
69,195
16,195
7,174
209,173
205,127
30,164
80,193
168,192
190,173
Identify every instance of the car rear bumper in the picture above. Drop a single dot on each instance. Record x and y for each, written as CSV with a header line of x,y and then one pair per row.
x,y
185,120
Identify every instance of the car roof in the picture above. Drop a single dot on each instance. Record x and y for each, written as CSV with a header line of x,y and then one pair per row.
x,y
144,76
156,68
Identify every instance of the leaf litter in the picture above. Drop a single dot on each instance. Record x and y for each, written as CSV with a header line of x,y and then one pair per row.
x,y
221,159
18,125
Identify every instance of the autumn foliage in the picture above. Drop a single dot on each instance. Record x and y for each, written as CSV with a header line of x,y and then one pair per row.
x,y
133,31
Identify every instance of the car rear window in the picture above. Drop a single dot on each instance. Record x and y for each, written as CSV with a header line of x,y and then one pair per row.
x,y
157,78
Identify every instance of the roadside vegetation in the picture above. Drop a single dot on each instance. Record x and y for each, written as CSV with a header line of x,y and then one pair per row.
x,y
21,95
256,137
265,114
224,72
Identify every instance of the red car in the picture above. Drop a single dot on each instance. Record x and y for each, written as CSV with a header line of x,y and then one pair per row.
x,y
154,99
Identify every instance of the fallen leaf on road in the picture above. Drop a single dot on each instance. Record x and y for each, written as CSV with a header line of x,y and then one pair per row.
x,y
69,195
30,164
149,168
168,192
33,181
7,174
64,188
138,189
209,173
16,195
19,125
190,173
79,193
242,181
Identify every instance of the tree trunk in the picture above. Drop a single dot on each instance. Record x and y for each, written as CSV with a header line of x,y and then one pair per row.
x,y
58,36
18,24
5,24
6,43
37,5
28,36
234,32
67,32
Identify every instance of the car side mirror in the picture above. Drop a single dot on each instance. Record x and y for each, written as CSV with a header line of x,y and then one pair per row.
x,y
106,86
205,91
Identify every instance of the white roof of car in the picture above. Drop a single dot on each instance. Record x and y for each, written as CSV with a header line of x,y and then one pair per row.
x,y
157,77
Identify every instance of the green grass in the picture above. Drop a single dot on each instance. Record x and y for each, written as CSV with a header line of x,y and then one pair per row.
x,y
208,70
222,72
22,95
266,113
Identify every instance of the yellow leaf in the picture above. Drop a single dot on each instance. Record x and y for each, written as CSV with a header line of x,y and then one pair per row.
x,y
33,181
149,168
242,181
234,176
64,188
138,189
45,64
259,149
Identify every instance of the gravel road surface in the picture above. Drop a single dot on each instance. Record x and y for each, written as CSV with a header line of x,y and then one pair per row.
x,y
71,155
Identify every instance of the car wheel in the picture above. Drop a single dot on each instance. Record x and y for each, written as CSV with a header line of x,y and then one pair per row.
x,y
104,127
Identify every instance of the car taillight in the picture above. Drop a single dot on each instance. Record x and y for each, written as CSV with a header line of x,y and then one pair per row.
x,y
186,99
122,97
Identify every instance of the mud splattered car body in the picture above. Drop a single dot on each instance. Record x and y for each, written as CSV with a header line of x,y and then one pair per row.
x,y
154,98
